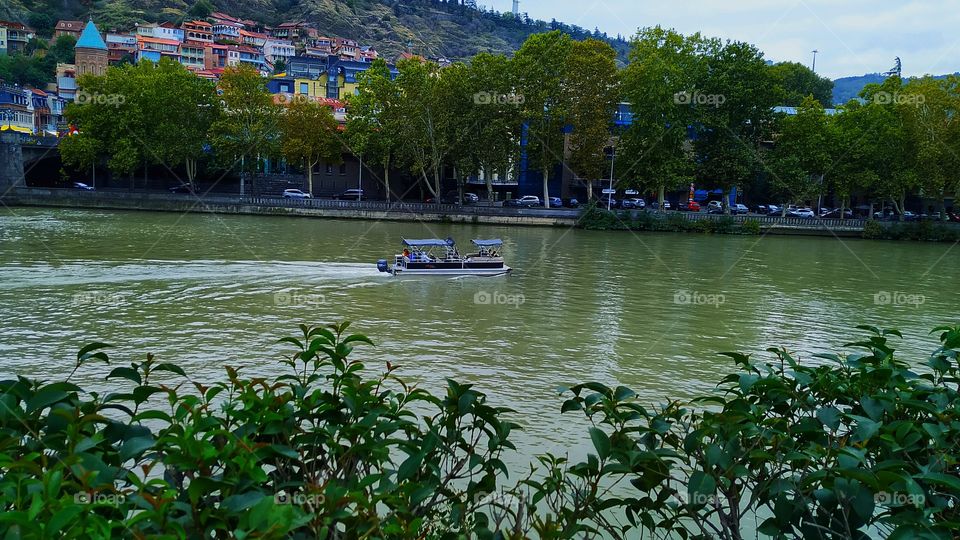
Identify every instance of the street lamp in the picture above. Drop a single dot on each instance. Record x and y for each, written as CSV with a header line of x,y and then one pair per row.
x,y
360,181
613,159
815,51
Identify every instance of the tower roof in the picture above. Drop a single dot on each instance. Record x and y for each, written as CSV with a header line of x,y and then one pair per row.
x,y
90,38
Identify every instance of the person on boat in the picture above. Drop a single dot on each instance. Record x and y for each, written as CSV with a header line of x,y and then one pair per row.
x,y
406,253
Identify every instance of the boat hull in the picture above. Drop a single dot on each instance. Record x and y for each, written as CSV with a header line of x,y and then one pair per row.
x,y
458,271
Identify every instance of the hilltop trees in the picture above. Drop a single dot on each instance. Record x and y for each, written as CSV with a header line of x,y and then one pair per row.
x,y
373,125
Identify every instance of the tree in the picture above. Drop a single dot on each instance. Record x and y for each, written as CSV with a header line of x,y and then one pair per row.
x,y
739,94
892,152
802,152
373,122
201,9
798,82
932,120
308,133
493,120
425,143
851,155
591,93
540,69
248,127
664,69
184,107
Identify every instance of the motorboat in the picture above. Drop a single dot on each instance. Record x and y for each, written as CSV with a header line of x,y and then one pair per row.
x,y
435,257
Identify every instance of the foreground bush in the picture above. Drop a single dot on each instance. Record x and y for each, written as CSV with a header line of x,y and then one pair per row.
x,y
856,446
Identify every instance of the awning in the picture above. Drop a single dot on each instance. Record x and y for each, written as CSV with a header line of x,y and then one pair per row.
x,y
18,129
488,243
429,242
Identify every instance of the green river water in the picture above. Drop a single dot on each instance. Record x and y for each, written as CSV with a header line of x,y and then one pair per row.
x,y
649,311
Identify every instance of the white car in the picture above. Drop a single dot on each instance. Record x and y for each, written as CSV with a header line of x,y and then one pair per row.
x,y
714,205
740,209
803,213
529,200
295,194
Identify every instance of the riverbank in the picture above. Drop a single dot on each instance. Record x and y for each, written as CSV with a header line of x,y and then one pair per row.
x,y
590,218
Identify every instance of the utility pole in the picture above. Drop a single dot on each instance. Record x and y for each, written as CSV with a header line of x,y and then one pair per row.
x,y
815,51
613,159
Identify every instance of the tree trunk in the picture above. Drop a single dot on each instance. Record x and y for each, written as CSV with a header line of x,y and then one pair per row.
x,y
660,197
783,210
191,166
456,179
871,211
546,188
386,179
726,203
589,190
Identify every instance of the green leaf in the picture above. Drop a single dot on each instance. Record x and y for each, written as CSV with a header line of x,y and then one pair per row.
x,y
126,373
87,353
170,367
242,501
45,397
409,467
702,488
600,441
830,416
135,446
58,524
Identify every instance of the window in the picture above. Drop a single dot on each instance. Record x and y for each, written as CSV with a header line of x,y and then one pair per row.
x,y
285,88
343,169
304,88
329,169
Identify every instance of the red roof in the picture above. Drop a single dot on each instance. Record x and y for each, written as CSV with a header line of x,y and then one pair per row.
x,y
160,41
70,25
38,92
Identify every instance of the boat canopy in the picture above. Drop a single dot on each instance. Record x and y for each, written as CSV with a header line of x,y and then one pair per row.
x,y
488,243
429,242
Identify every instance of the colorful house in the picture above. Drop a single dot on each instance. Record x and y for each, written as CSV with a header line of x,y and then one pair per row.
x,y
201,31
153,49
17,36
16,109
68,28
120,46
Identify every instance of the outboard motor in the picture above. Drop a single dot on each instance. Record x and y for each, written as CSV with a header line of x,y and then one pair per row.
x,y
382,265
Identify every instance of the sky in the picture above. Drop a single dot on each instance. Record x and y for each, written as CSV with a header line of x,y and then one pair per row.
x,y
853,37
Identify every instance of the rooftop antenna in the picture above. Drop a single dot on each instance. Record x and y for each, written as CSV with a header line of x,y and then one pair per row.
x,y
897,68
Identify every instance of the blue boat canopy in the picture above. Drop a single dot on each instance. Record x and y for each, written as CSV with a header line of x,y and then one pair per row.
x,y
429,242
488,243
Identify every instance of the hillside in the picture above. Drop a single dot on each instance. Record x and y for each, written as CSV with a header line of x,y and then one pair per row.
x,y
847,88
427,27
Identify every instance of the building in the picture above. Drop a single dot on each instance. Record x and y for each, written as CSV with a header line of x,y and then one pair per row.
x,y
3,40
214,56
201,31
17,36
120,46
192,54
329,78
252,39
226,32
16,109
68,28
167,30
275,49
67,81
294,31
47,112
91,52
346,49
153,49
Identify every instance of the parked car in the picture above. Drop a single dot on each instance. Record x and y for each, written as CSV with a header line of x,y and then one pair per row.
x,y
638,202
656,205
529,200
835,213
713,206
512,202
82,186
739,209
606,200
774,210
453,197
571,203
802,213
953,217
354,194
692,206
628,204
555,202
182,188
295,194
761,209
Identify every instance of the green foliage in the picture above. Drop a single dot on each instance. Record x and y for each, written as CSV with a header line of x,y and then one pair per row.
x,y
848,446
750,226
873,230
925,231
309,134
799,82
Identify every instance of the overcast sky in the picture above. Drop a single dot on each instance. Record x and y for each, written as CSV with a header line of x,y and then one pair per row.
x,y
853,36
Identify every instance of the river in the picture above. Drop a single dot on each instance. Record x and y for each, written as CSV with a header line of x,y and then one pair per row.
x,y
649,311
